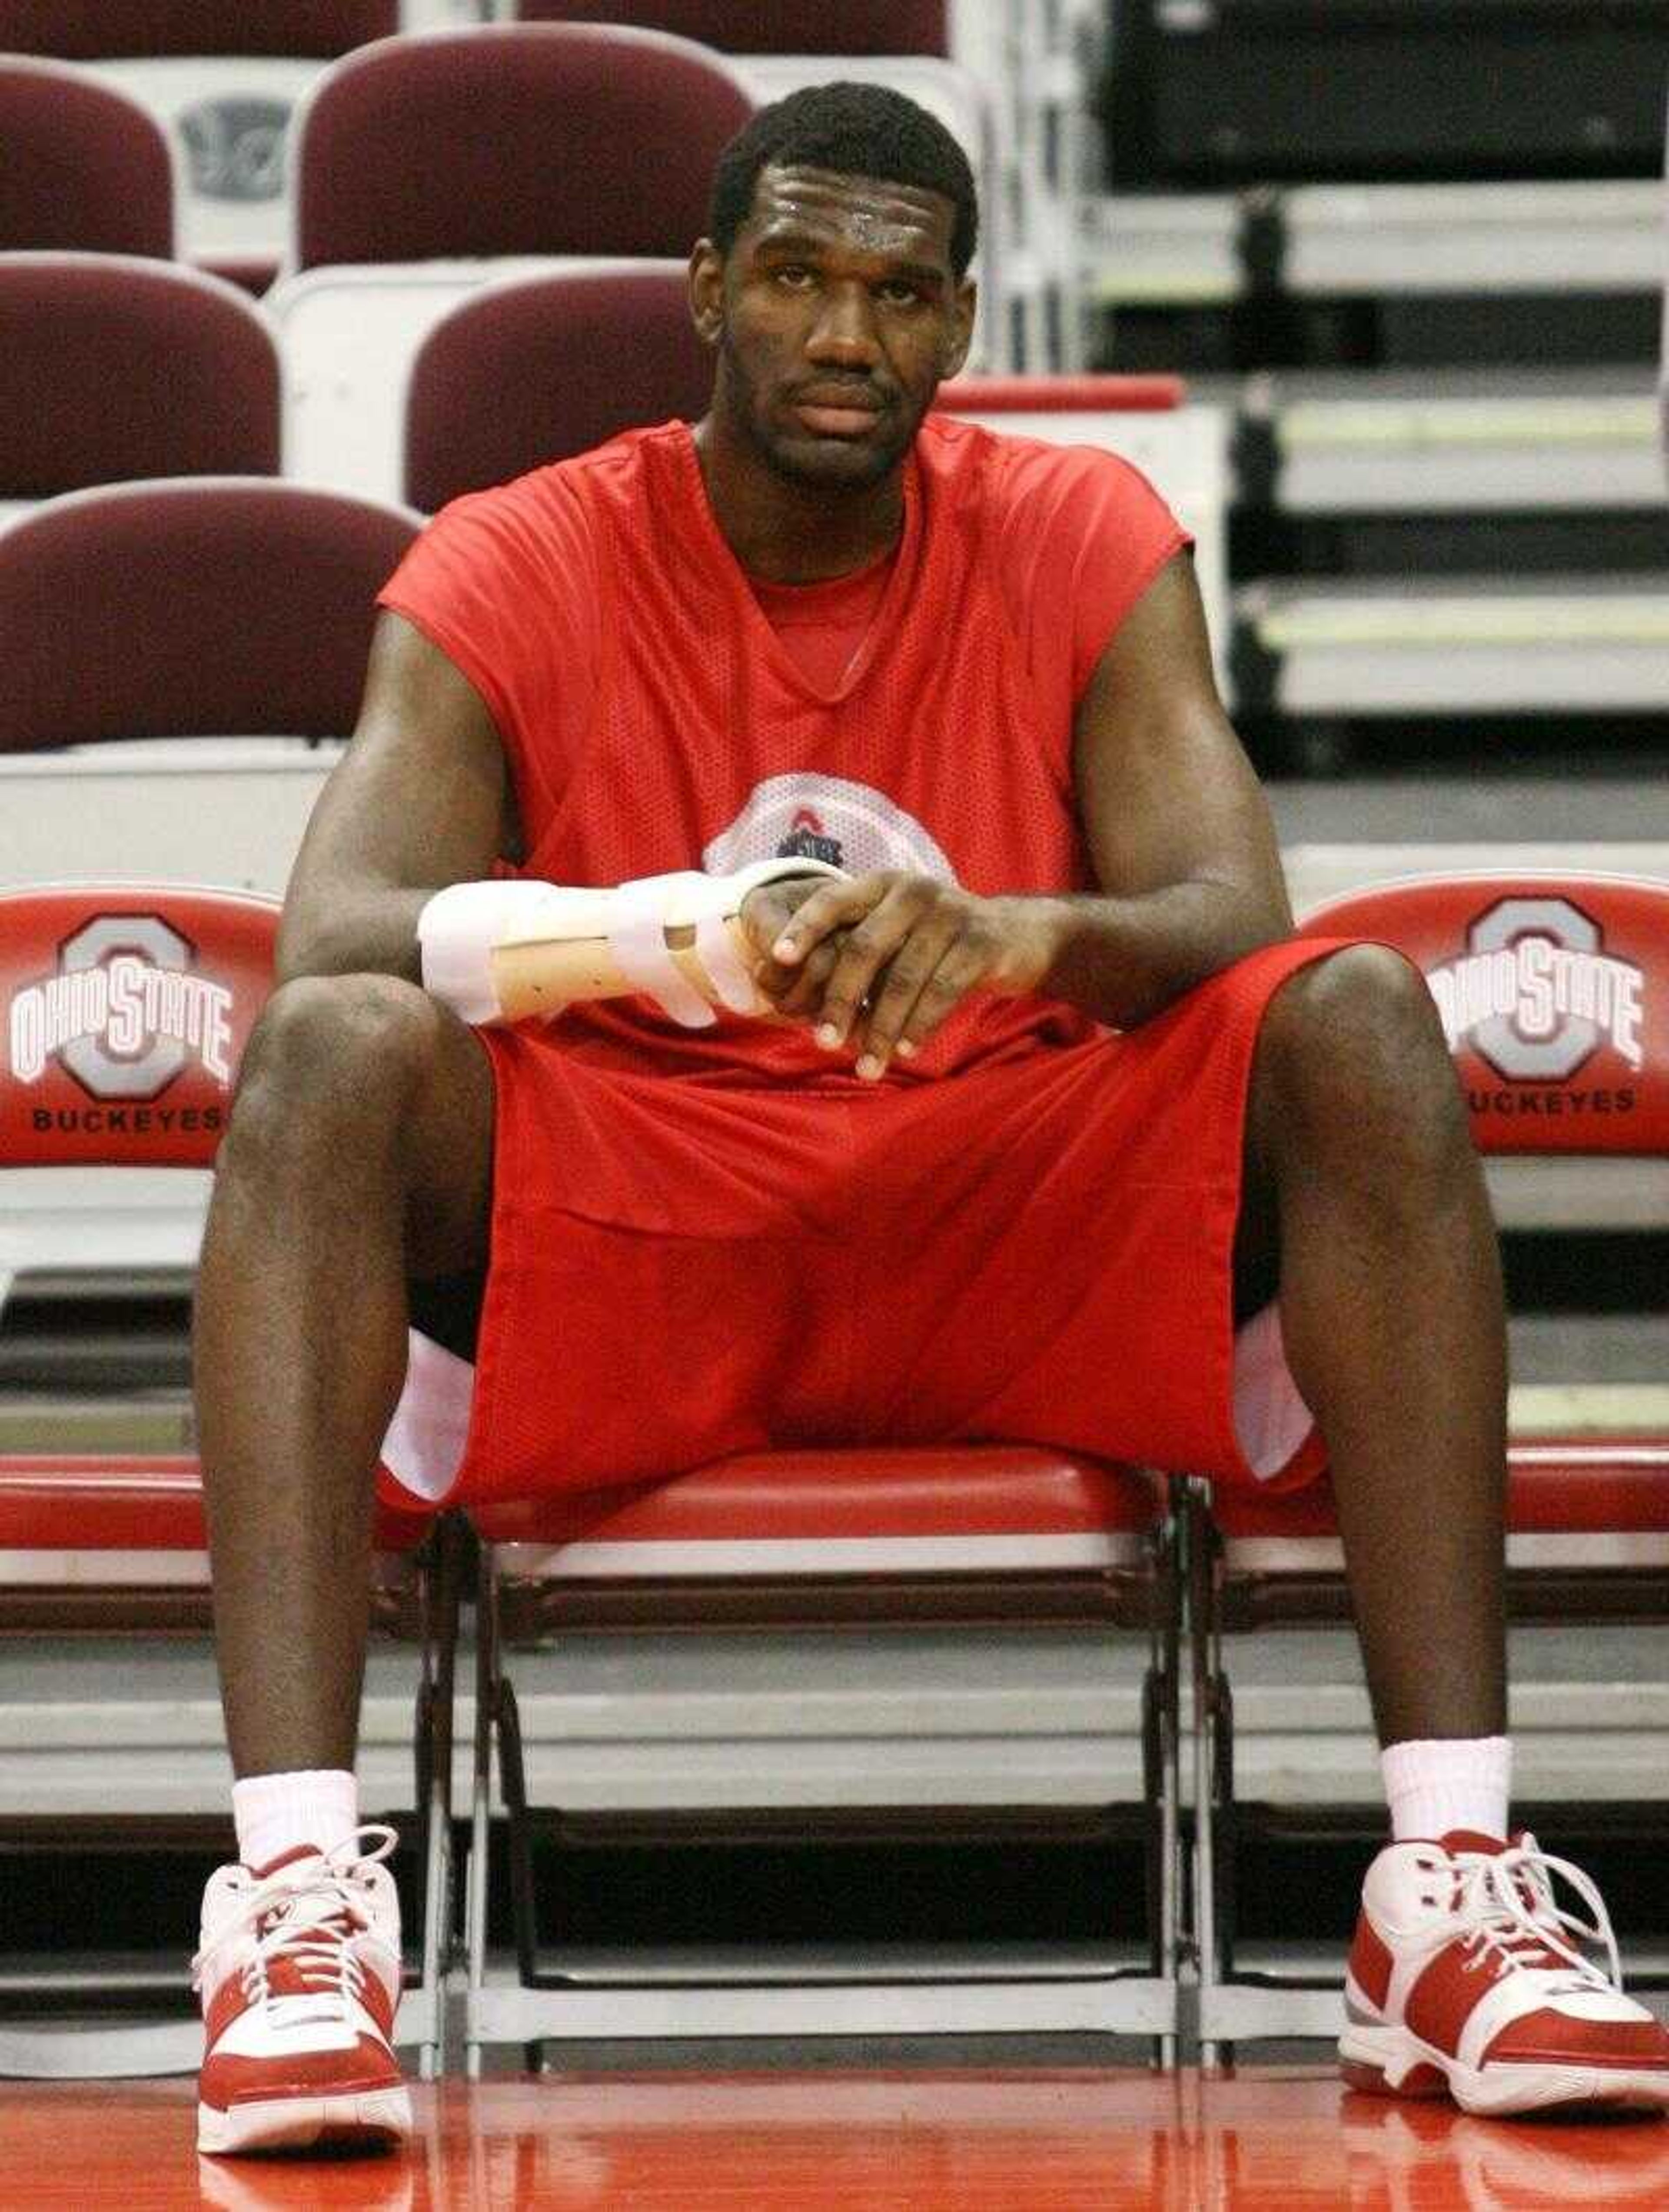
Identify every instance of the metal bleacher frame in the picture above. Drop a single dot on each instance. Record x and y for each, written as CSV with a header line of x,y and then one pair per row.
x,y
838,1542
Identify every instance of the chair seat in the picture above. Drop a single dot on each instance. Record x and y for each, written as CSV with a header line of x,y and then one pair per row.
x,y
937,1507
1557,1486
110,1502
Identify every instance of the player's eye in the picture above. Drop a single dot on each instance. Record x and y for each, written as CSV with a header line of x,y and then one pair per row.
x,y
899,292
794,275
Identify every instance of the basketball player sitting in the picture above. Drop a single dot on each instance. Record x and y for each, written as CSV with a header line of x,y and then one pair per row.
x,y
795,952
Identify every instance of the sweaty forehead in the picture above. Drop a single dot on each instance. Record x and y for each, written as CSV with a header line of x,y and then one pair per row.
x,y
869,214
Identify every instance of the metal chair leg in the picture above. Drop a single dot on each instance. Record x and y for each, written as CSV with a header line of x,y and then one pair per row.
x,y
1201,1539
442,1580
481,1805
1161,1765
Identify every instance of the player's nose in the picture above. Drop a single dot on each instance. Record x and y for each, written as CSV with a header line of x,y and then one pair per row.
x,y
844,333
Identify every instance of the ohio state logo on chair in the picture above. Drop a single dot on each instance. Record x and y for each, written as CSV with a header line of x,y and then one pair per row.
x,y
126,1008
1553,994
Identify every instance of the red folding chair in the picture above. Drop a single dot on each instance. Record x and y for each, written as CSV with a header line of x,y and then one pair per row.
x,y
127,1007
840,1541
1554,995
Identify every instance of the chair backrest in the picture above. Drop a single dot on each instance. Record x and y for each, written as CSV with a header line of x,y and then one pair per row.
x,y
193,606
84,166
534,369
535,138
1554,991
113,368
768,26
127,1007
106,30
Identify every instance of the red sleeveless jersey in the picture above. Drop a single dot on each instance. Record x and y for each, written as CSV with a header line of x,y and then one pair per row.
x,y
655,717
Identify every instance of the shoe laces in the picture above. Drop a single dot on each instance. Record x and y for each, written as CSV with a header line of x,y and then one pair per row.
x,y
1507,1899
306,1914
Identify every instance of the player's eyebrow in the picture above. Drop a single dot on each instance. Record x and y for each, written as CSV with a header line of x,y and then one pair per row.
x,y
795,244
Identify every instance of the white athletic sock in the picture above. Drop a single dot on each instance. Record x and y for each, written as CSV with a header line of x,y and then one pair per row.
x,y
1434,1786
276,1811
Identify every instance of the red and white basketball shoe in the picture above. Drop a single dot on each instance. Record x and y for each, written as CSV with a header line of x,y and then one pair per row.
x,y
299,1971
1466,1977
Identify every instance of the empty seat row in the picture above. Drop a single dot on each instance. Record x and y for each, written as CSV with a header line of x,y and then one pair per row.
x,y
408,147
417,383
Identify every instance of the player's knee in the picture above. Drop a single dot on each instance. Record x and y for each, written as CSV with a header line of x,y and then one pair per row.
x,y
330,1056
1356,1032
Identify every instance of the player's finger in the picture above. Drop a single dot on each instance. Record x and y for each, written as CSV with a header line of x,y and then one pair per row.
x,y
802,990
870,945
765,912
895,993
831,907
961,970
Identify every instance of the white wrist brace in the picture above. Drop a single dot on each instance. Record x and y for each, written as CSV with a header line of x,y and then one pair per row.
x,y
503,951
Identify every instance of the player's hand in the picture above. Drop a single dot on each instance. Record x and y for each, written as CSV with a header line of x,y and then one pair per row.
x,y
795,992
882,960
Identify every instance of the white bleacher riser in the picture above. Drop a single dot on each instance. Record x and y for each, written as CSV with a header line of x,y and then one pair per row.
x,y
1184,451
1388,241
1316,874
183,810
931,1715
227,119
1463,647
1167,250
1399,450
348,337
1598,236
106,1221
960,102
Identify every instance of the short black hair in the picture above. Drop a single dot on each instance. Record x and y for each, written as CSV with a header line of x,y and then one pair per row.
x,y
856,131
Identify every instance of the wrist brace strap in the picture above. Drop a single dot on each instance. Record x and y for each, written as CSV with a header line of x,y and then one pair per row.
x,y
502,952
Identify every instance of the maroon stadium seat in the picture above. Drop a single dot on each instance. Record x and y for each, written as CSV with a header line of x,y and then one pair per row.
x,y
512,139
84,167
768,27
202,606
109,30
114,368
1549,985
535,369
113,1542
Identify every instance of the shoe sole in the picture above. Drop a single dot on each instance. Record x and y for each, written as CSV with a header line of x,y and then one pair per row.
x,y
1390,2062
371,2119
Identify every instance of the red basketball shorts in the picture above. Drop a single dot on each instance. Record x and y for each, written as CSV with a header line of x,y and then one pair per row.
x,y
1040,1249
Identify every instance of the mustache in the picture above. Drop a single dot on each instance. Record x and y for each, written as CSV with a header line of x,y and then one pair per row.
x,y
844,391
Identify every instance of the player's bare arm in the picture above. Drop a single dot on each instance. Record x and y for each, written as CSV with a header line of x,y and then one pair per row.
x,y
422,798
1182,841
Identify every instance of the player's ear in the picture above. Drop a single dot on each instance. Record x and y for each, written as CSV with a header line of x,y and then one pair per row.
x,y
706,290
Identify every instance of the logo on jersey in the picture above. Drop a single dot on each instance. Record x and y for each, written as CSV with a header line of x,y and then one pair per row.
x,y
1535,996
825,817
124,1014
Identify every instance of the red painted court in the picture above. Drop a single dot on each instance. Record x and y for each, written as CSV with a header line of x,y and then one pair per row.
x,y
1049,2140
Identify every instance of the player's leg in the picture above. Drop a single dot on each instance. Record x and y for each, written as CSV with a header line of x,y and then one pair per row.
x,y
360,1150
1463,1972
1358,1154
